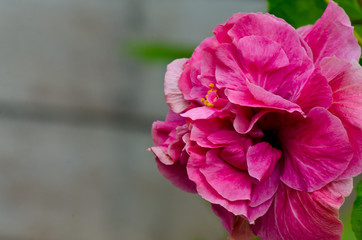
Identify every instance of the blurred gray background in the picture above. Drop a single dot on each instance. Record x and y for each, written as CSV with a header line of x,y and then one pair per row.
x,y
75,119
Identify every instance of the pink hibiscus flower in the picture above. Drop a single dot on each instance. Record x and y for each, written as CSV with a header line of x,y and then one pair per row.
x,y
265,123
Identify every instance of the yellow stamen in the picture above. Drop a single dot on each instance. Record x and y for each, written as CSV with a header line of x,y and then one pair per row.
x,y
202,99
211,85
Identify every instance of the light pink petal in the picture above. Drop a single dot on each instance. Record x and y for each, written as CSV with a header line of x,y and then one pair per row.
x,y
265,190
173,94
260,54
261,159
230,183
332,35
302,215
316,93
316,150
177,174
345,80
200,113
161,154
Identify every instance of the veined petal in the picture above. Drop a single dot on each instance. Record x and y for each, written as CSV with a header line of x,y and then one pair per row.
x,y
303,215
316,150
345,80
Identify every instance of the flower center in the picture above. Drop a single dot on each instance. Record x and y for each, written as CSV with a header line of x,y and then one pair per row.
x,y
211,96
271,137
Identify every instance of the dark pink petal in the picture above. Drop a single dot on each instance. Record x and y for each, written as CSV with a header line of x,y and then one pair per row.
x,y
235,154
177,174
225,137
316,93
303,215
245,121
265,190
261,159
161,131
230,183
173,94
201,129
256,212
256,96
316,150
332,35
229,73
227,218
208,193
345,80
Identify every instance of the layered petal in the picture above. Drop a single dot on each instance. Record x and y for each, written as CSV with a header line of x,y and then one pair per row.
x,y
332,35
230,183
345,80
303,215
316,150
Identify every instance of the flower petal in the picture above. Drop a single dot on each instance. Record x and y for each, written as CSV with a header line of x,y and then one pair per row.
x,y
316,150
316,93
345,80
230,183
332,35
265,190
303,215
261,159
173,94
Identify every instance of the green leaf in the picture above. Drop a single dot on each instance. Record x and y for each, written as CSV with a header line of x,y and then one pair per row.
x,y
352,8
356,218
297,12
360,61
157,50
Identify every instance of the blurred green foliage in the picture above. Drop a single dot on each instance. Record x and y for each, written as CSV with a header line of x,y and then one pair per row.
x,y
297,12
157,50
356,218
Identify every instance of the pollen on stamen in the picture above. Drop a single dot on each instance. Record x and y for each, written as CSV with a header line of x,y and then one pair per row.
x,y
211,85
202,100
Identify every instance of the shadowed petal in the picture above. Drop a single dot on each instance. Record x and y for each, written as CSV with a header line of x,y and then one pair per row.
x,y
316,150
177,175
